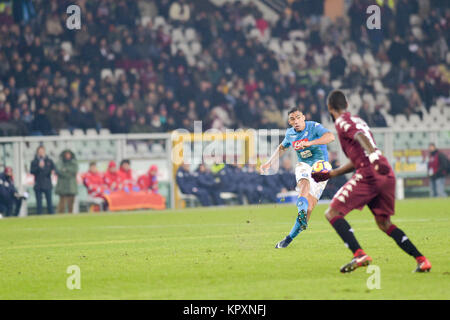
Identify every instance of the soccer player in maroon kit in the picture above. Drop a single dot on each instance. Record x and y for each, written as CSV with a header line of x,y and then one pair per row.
x,y
373,184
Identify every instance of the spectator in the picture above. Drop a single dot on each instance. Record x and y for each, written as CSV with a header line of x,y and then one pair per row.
x,y
94,182
438,168
42,168
66,187
365,114
399,104
207,181
126,175
187,182
337,65
10,199
111,178
378,118
149,181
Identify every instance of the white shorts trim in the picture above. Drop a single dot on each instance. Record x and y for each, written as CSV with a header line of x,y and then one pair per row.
x,y
303,171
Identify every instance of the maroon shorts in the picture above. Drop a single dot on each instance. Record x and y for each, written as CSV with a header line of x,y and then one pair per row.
x,y
365,188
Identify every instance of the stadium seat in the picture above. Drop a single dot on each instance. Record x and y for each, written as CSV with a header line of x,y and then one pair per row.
x,y
415,120
336,84
417,32
78,132
228,197
177,35
64,132
157,148
287,47
301,46
67,47
400,120
118,72
159,21
190,34
106,73
190,199
435,111
415,20
369,59
368,97
91,132
191,60
255,34
355,100
183,46
145,20
274,45
385,68
196,48
296,35
104,132
355,59
142,148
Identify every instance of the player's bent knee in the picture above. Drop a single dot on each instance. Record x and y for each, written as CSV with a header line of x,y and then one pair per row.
x,y
331,213
383,223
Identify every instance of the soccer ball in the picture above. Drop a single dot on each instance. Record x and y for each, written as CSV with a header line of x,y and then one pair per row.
x,y
321,166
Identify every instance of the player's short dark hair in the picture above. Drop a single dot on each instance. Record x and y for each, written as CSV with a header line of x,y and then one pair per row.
x,y
336,99
295,109
92,163
124,161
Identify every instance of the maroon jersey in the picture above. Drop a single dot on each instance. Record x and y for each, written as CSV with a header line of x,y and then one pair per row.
x,y
347,126
366,187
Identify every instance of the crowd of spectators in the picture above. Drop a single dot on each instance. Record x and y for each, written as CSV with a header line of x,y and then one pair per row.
x,y
237,81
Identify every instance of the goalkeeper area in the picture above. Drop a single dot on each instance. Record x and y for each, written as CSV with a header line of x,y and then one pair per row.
x,y
218,253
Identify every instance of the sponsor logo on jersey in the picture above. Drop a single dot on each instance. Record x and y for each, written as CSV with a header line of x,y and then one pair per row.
x,y
296,144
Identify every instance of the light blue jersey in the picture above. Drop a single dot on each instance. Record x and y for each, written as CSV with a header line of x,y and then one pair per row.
x,y
313,130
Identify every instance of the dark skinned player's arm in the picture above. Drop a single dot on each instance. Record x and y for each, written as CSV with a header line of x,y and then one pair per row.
x,y
374,154
346,168
364,142
349,167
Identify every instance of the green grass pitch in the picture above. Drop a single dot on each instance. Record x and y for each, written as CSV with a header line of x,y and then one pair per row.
x,y
219,253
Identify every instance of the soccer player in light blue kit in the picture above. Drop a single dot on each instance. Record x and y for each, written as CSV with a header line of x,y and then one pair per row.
x,y
309,140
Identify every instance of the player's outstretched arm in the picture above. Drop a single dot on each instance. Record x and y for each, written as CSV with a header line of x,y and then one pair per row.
x,y
273,158
326,138
372,152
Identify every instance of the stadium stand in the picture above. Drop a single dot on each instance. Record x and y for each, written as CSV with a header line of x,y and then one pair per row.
x,y
156,64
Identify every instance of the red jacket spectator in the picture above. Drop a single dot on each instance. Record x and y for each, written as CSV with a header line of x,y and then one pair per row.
x,y
93,181
149,181
126,175
112,178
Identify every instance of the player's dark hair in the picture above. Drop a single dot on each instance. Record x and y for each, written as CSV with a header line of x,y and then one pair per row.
x,y
124,161
92,163
295,109
336,99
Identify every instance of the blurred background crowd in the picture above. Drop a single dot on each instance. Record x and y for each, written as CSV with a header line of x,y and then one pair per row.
x,y
139,66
